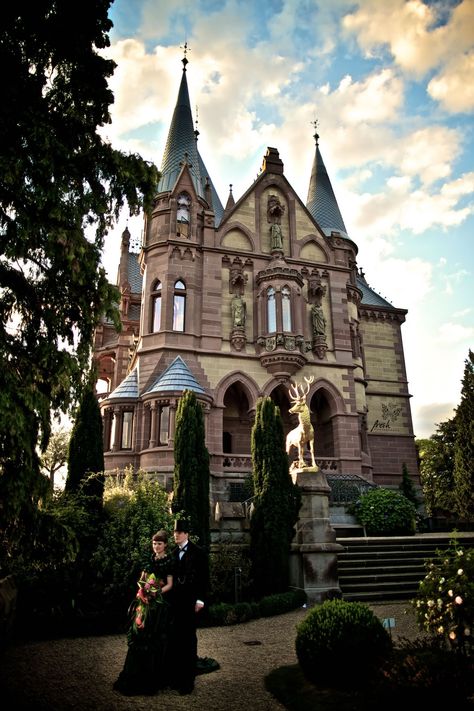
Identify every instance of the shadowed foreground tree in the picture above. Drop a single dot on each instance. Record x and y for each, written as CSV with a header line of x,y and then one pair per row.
x,y
61,188
464,445
86,449
436,456
276,503
191,467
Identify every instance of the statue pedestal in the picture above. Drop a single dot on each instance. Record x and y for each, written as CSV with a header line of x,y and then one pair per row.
x,y
313,557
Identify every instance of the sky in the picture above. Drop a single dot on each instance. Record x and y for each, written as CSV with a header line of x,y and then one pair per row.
x,y
391,86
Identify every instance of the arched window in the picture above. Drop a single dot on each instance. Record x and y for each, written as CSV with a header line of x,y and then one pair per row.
x,y
271,310
179,305
183,214
286,308
127,425
156,307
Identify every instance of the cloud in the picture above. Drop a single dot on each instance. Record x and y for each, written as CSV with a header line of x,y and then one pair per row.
x,y
455,333
420,41
453,87
429,415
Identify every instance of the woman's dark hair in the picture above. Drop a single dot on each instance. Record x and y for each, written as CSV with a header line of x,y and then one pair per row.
x,y
160,536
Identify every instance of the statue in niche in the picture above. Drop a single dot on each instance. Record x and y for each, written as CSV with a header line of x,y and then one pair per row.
x,y
318,320
238,308
275,211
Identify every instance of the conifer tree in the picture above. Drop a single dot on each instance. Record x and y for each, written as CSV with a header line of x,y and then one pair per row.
x,y
276,504
407,487
464,445
191,468
86,449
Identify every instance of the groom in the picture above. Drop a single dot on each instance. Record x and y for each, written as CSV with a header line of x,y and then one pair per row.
x,y
188,595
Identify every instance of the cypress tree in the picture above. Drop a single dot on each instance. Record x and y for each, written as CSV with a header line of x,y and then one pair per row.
x,y
464,445
407,487
86,449
276,504
191,468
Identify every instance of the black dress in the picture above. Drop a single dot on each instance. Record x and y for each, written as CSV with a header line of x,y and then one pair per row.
x,y
145,670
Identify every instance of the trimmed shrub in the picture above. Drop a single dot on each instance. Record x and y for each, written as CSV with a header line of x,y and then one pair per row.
x,y
384,512
341,644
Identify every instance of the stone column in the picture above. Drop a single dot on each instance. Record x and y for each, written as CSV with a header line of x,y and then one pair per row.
x,y
313,557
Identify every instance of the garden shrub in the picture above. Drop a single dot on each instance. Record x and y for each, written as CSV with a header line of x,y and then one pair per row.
x,y
384,512
341,644
444,604
224,559
281,602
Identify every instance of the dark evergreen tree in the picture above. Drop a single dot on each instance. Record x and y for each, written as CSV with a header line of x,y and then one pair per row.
x,y
436,457
86,449
407,487
276,503
191,468
464,445
58,177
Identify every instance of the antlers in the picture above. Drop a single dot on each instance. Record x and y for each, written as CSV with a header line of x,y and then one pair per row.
x,y
298,392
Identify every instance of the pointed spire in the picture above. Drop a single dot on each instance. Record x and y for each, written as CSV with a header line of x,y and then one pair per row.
x,y
321,201
181,142
230,200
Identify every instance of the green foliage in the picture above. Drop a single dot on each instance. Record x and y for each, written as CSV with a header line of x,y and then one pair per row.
x,y
425,674
444,603
62,186
224,560
55,456
86,453
407,487
436,456
224,613
135,508
276,504
385,513
464,445
341,644
191,468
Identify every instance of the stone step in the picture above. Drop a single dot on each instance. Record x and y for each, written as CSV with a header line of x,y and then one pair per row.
x,y
360,571
398,579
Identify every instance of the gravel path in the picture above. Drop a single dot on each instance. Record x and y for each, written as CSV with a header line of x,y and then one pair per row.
x,y
66,674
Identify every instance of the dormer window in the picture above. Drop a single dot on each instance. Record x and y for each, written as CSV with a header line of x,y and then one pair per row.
x,y
183,214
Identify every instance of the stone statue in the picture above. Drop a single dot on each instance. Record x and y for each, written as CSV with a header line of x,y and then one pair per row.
x,y
275,211
238,308
303,434
318,320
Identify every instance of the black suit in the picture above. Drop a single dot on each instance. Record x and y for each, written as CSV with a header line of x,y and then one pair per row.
x,y
190,583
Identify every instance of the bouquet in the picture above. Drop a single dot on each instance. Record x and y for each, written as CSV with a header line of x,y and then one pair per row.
x,y
146,600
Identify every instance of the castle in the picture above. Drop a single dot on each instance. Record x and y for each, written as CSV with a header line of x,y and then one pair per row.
x,y
240,302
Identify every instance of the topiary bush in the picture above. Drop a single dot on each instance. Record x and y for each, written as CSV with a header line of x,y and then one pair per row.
x,y
341,644
384,512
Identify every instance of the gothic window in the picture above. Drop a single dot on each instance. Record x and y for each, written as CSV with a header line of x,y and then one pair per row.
x,y
183,214
127,424
271,310
286,308
163,424
156,307
179,306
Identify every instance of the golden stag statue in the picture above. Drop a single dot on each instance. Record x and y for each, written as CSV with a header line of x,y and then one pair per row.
x,y
304,433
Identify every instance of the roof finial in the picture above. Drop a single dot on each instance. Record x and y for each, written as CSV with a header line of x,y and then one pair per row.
x,y
186,50
315,126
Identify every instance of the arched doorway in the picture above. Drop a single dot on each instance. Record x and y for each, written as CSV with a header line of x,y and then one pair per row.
x,y
237,422
322,421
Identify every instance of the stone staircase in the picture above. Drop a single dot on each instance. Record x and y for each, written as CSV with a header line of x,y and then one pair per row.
x,y
384,569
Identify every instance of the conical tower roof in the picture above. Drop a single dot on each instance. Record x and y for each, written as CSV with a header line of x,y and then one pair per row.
x,y
176,377
181,143
321,201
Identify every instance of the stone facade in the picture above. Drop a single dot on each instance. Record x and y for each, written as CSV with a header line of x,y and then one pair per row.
x,y
243,305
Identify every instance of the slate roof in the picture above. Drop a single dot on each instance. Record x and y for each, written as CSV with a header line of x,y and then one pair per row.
x,y
134,275
370,297
182,139
128,388
321,201
177,376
